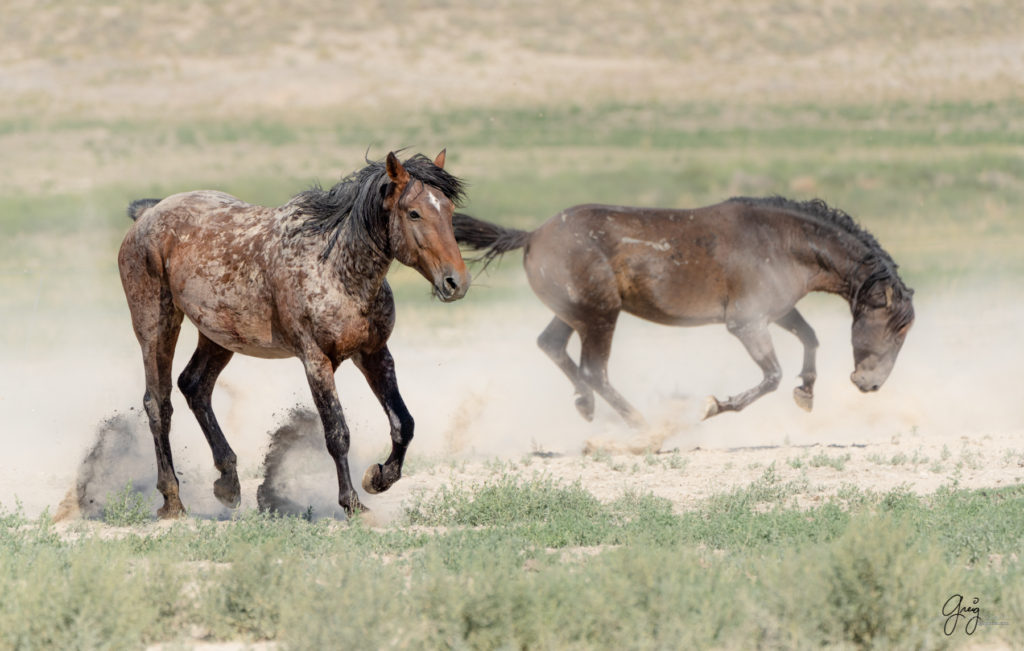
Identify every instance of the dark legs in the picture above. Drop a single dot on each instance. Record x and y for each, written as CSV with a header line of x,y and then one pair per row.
x,y
758,343
794,322
196,382
592,374
320,374
157,325
596,338
379,370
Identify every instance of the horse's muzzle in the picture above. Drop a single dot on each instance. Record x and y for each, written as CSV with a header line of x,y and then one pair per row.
x,y
866,382
452,286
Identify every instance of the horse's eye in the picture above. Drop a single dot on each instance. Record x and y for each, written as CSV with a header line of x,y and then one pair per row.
x,y
414,215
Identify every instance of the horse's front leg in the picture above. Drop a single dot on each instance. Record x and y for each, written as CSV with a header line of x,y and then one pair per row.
x,y
758,343
794,322
379,369
320,374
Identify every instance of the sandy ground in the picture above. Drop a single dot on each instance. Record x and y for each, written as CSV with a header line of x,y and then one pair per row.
x,y
488,402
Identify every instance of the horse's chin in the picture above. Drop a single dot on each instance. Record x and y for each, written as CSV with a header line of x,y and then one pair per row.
x,y
448,298
448,294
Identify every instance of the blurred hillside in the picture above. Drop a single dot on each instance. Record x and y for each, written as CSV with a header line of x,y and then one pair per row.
x,y
128,58
908,115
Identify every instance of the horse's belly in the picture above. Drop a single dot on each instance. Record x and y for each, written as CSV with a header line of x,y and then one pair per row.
x,y
674,299
676,314
241,321
245,343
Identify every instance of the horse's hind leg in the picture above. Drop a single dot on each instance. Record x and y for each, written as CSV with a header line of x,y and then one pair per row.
x,y
553,342
758,343
157,323
379,370
595,349
794,322
320,375
196,382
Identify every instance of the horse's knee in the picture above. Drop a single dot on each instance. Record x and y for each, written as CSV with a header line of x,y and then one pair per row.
x,y
551,348
189,386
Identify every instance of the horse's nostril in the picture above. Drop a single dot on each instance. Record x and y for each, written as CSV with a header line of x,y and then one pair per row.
x,y
451,283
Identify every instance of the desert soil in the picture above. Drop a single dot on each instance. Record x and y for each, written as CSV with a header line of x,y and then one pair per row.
x,y
489,403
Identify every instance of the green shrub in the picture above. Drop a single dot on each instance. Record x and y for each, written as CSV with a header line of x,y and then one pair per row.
x,y
127,507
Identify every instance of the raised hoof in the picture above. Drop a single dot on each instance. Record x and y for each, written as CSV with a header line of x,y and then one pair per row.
x,y
227,490
803,398
373,479
711,408
171,510
585,405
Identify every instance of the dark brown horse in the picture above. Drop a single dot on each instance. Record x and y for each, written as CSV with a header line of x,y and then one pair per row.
x,y
745,263
306,280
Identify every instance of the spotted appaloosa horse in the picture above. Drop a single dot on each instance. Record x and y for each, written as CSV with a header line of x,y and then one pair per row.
x,y
745,263
306,279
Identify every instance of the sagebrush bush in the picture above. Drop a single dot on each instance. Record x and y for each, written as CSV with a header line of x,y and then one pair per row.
x,y
127,507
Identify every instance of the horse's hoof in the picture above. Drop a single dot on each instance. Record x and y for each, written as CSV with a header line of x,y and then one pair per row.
x,y
354,507
803,398
711,408
171,510
227,490
585,405
373,479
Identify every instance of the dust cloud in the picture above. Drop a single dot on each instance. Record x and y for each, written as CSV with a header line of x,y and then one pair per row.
x,y
298,472
480,389
117,456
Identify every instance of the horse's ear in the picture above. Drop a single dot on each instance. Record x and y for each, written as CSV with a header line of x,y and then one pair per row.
x,y
439,161
396,171
888,296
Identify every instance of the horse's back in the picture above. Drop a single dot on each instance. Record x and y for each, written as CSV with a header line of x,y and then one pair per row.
x,y
684,267
212,252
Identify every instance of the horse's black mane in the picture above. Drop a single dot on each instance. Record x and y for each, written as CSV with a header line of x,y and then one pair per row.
x,y
359,197
881,266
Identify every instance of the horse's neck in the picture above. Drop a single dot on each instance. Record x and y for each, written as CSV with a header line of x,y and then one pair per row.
x,y
843,270
362,268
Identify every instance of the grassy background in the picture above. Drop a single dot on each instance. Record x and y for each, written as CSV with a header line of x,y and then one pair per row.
x,y
531,563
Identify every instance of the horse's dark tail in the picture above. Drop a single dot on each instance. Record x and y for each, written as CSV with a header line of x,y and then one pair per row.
x,y
139,206
492,239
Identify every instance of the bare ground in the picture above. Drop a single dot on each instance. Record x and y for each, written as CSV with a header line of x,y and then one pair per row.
x,y
488,403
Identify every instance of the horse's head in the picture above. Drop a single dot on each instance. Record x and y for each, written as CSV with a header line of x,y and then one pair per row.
x,y
881,321
420,230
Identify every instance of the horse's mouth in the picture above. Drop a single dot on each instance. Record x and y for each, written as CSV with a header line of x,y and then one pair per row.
x,y
866,385
451,288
